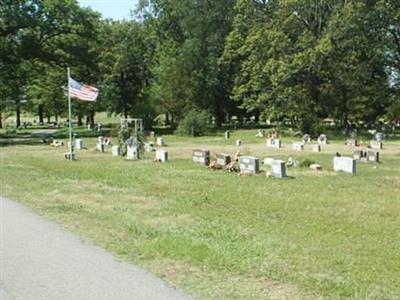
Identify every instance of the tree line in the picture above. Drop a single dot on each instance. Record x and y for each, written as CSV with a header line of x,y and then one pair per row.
x,y
302,61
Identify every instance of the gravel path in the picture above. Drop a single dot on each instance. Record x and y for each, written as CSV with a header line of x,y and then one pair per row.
x,y
40,260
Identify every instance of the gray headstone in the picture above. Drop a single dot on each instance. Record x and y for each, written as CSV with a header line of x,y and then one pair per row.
x,y
201,156
379,136
223,159
298,146
249,164
278,169
344,164
358,155
116,150
274,143
79,144
162,155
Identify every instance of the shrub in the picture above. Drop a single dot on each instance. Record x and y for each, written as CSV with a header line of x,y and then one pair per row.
x,y
194,123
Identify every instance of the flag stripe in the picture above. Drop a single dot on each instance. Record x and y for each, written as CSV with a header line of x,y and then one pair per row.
x,y
82,91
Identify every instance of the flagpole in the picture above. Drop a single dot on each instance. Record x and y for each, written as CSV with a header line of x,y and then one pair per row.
x,y
69,117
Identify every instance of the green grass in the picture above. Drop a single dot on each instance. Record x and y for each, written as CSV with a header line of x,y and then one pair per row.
x,y
317,235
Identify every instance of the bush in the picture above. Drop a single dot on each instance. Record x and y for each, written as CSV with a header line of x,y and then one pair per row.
x,y
194,124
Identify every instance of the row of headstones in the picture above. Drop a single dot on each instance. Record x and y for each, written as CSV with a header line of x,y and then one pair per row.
x,y
277,144
251,165
373,144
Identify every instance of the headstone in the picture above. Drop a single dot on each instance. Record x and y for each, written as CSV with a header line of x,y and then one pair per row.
x,y
223,159
100,147
306,138
132,152
278,169
149,147
379,136
316,148
68,156
358,155
99,127
227,135
274,143
376,145
298,146
162,155
116,150
344,164
238,143
249,164
160,141
322,139
201,156
373,156
352,143
79,144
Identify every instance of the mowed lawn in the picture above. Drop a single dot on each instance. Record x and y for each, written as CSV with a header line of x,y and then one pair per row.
x,y
315,235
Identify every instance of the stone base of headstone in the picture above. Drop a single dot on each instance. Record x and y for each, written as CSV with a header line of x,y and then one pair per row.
x,y
162,155
201,156
116,150
223,159
344,164
249,164
298,146
316,148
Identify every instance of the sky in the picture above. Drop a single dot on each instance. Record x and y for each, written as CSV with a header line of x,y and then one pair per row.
x,y
114,9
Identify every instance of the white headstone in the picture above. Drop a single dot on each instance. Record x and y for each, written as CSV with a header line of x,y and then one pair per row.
x,y
316,148
344,164
149,147
162,155
100,147
238,143
249,164
116,150
322,139
268,161
274,143
298,146
373,156
132,152
79,144
376,145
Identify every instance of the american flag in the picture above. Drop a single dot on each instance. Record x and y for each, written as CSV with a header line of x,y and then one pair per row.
x,y
82,91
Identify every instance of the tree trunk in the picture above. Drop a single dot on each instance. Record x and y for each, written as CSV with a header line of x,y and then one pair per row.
x,y
48,119
91,117
56,116
18,115
1,119
167,121
40,114
80,123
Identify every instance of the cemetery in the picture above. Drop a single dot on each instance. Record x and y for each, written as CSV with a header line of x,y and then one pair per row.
x,y
230,149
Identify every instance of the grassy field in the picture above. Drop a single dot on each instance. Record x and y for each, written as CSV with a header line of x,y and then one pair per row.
x,y
315,235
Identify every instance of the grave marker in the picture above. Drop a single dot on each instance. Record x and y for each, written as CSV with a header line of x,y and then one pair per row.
x,y
79,144
238,143
344,164
322,139
149,147
227,135
352,143
100,147
249,164
278,169
274,143
223,159
316,148
116,150
298,146
162,155
160,141
376,145
201,156
373,156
